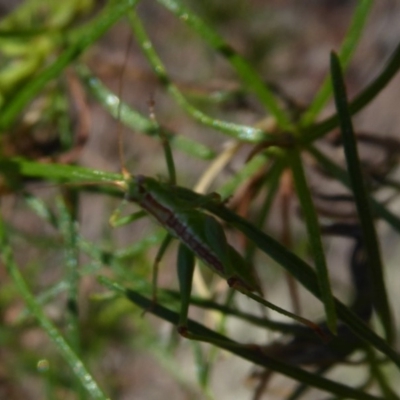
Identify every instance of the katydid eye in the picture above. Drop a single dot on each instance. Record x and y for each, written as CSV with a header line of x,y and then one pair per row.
x,y
140,180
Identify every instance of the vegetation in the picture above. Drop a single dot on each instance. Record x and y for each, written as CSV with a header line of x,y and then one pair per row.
x,y
88,292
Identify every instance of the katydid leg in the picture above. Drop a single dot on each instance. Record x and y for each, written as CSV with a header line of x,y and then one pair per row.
x,y
116,220
235,268
315,327
168,157
160,253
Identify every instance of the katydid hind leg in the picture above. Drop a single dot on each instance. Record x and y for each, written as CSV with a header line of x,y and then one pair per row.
x,y
216,239
237,272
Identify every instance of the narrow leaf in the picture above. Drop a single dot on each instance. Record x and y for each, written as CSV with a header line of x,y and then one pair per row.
x,y
381,302
135,120
314,235
365,97
348,46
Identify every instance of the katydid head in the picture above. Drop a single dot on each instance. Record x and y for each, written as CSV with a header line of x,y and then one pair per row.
x,y
136,188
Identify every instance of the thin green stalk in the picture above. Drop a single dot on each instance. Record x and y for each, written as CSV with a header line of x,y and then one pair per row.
x,y
240,132
283,327
314,236
220,328
15,168
379,376
70,235
248,170
366,96
133,119
244,70
272,180
346,51
39,207
75,363
365,215
44,298
202,366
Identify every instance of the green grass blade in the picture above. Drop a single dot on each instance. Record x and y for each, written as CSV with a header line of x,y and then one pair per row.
x,y
376,371
240,132
365,97
39,207
71,256
250,353
381,379
80,41
70,234
272,182
381,302
341,175
314,236
133,119
283,327
248,75
248,170
378,84
15,168
168,296
346,51
75,363
44,298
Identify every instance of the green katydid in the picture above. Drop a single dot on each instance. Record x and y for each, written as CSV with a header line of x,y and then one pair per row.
x,y
200,235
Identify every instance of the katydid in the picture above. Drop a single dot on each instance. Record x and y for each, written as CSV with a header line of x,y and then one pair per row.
x,y
199,233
